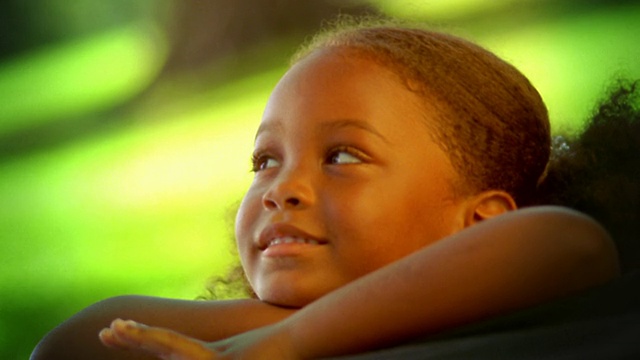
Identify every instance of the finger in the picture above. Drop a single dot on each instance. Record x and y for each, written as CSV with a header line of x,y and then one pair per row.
x,y
163,343
109,338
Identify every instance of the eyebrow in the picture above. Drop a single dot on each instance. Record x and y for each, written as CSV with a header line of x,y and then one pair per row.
x,y
359,124
328,126
268,127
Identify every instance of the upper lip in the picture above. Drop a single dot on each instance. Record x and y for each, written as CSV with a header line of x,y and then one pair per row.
x,y
280,230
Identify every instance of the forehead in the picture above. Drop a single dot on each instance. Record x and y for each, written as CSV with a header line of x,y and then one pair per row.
x,y
344,84
345,68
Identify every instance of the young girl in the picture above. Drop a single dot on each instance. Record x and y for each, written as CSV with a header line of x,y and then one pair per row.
x,y
389,165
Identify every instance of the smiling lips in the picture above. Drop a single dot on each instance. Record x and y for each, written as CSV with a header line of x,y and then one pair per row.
x,y
278,236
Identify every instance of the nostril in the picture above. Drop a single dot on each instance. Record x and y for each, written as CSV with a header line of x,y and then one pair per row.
x,y
293,201
270,204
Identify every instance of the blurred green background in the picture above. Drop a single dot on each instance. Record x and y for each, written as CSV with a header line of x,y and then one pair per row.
x,y
126,127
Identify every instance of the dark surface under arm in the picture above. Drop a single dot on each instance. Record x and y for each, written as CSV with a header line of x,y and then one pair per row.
x,y
602,323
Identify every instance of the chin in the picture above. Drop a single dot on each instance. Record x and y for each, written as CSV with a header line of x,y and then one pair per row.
x,y
295,289
286,298
292,296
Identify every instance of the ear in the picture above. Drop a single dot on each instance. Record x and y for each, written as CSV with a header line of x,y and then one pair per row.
x,y
488,204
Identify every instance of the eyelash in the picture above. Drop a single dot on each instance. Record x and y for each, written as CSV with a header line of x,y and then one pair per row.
x,y
345,149
259,159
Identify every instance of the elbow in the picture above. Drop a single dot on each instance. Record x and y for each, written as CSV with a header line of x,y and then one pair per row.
x,y
601,255
593,257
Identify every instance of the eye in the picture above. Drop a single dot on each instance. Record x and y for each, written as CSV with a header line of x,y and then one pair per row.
x,y
345,155
261,162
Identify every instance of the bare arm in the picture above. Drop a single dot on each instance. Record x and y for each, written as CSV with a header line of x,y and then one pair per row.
x,y
510,262
77,338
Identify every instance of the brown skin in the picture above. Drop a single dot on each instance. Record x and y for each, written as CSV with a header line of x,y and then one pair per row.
x,y
344,156
77,337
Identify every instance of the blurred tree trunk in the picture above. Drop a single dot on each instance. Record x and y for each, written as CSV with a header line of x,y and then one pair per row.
x,y
204,31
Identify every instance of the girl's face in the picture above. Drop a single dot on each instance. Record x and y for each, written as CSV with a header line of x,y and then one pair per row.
x,y
347,180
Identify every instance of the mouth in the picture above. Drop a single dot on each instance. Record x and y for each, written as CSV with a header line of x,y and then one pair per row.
x,y
292,240
284,234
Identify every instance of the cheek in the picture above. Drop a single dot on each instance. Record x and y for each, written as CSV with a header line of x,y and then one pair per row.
x,y
370,229
246,217
384,226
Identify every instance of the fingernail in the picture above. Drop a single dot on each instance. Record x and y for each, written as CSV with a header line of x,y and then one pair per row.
x,y
133,324
122,324
105,335
129,323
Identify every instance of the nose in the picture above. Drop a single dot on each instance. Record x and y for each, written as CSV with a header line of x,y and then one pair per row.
x,y
290,190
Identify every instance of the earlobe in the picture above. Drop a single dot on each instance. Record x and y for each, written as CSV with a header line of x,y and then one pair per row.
x,y
489,204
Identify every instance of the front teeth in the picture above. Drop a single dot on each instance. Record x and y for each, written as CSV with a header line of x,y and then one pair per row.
x,y
291,240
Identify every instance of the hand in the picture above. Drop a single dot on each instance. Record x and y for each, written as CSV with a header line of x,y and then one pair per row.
x,y
264,343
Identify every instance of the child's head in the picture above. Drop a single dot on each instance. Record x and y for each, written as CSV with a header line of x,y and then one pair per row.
x,y
492,121
376,143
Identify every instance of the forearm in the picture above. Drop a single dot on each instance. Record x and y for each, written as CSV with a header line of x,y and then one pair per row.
x,y
525,258
77,338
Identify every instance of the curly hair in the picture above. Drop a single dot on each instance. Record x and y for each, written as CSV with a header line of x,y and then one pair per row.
x,y
598,170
